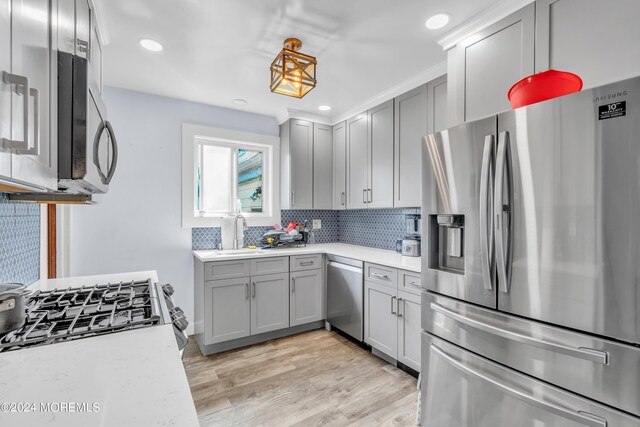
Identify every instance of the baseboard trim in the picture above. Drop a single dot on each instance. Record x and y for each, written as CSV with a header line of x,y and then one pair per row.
x,y
208,349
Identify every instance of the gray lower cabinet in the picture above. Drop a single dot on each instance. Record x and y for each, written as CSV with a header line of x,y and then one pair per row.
x,y
227,313
598,40
306,296
392,314
322,166
340,166
489,62
409,329
269,303
380,323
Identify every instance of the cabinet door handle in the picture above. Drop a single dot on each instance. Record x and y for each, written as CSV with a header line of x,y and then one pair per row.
x,y
307,263
293,197
246,291
400,301
83,47
342,199
380,276
22,88
364,195
393,312
370,199
293,284
254,289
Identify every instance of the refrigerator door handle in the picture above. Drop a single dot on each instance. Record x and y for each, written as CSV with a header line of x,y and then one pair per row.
x,y
589,354
503,255
580,417
486,218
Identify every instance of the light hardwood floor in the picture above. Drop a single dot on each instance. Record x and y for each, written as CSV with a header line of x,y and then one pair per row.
x,y
317,378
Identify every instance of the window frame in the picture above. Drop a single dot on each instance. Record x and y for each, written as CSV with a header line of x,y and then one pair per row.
x,y
269,145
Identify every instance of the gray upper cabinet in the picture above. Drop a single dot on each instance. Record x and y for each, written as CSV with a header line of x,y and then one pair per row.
x,y
269,303
357,162
27,150
306,296
296,165
598,40
380,189
410,127
227,310
322,166
437,105
5,89
489,62
339,200
301,148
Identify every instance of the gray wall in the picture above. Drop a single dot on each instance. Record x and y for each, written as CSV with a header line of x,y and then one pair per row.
x,y
136,226
19,241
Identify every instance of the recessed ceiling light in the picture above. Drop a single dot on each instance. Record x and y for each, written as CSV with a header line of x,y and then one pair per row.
x,y
438,20
151,45
324,108
239,101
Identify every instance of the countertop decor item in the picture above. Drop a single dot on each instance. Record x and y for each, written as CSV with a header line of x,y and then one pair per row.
x,y
293,73
542,86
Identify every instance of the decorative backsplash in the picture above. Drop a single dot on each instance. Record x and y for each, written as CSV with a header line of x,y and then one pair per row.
x,y
377,228
19,241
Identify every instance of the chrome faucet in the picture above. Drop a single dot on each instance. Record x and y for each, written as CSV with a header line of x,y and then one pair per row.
x,y
235,230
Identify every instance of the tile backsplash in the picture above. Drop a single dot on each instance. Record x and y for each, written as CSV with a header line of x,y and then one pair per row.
x,y
19,241
377,228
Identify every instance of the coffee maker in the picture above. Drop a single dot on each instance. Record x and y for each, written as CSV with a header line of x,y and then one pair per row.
x,y
409,245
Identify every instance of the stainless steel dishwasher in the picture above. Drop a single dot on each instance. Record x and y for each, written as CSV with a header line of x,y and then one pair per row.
x,y
345,295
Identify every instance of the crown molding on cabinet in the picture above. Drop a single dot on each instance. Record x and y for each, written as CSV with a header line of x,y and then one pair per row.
x,y
398,89
480,21
103,30
426,76
290,113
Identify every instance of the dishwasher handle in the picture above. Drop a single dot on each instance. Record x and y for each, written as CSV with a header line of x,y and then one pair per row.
x,y
345,267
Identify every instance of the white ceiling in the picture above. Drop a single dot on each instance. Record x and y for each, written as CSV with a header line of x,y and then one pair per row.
x,y
219,50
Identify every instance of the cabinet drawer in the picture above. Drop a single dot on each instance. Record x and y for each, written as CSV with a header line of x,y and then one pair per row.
x,y
226,269
269,265
306,262
382,275
409,281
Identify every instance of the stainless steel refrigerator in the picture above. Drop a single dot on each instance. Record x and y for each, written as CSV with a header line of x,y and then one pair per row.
x,y
531,265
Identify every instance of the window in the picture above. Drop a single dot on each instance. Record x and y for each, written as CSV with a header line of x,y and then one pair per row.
x,y
227,172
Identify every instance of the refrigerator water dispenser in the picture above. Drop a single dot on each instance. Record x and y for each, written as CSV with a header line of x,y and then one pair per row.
x,y
446,243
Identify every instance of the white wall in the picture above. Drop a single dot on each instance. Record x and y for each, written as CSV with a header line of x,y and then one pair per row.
x,y
136,225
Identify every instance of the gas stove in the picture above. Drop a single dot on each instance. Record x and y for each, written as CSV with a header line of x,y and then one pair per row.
x,y
73,313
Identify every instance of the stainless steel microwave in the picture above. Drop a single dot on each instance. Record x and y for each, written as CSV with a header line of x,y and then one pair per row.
x,y
87,146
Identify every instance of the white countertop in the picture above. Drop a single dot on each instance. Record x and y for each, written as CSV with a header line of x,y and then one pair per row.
x,y
135,378
66,282
363,253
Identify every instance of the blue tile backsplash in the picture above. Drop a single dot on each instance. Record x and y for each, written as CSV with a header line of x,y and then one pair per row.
x,y
19,241
376,228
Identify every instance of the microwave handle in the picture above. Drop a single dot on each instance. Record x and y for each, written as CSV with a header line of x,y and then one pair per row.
x,y
105,125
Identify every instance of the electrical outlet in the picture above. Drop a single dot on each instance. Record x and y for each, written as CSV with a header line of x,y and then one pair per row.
x,y
317,224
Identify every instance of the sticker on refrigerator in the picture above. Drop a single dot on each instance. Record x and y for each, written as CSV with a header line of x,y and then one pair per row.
x,y
610,111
